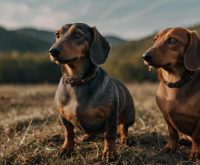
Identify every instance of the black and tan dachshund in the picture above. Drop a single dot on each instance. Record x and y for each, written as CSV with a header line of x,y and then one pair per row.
x,y
87,97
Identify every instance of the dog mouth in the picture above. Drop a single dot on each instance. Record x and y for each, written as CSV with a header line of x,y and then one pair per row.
x,y
64,61
151,65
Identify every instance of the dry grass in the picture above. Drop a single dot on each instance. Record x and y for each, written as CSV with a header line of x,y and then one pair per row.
x,y
30,131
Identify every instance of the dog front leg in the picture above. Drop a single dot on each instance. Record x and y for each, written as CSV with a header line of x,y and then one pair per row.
x,y
195,151
109,152
172,144
69,143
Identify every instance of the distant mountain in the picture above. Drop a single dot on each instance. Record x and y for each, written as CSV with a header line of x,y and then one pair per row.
x,y
33,40
124,62
49,36
46,36
114,41
21,42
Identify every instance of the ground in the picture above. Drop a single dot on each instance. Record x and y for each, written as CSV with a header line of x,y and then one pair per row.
x,y
30,131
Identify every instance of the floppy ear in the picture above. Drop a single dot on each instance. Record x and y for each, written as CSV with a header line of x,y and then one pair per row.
x,y
192,54
99,48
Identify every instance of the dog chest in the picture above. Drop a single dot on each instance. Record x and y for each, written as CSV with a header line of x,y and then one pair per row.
x,y
86,118
180,114
184,120
70,114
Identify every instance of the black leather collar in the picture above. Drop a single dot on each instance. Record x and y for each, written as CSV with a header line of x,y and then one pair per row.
x,y
186,78
82,81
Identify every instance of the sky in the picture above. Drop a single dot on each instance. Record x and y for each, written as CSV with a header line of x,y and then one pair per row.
x,y
129,19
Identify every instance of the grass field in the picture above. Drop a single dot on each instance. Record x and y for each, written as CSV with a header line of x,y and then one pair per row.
x,y
30,131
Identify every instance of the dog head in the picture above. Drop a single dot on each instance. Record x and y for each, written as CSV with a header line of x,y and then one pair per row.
x,y
174,47
78,41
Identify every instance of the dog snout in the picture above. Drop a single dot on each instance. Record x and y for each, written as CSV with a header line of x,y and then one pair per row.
x,y
54,52
147,56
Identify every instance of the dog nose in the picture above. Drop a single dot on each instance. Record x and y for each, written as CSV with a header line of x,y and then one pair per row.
x,y
147,57
54,52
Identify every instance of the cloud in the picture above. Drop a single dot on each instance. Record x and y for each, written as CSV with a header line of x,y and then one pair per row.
x,y
15,15
12,13
126,18
48,21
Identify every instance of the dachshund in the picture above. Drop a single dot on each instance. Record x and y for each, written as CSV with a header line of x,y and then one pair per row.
x,y
176,54
87,97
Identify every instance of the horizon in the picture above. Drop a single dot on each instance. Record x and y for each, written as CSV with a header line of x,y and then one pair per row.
x,y
128,19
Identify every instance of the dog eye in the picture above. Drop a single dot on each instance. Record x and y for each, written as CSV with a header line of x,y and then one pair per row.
x,y
171,41
77,35
57,35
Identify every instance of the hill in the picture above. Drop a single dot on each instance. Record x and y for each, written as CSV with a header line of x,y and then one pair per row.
x,y
34,40
43,35
22,42
115,41
25,52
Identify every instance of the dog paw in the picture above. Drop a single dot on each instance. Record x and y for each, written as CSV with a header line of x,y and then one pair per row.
x,y
194,155
169,148
124,141
86,138
185,142
109,155
65,152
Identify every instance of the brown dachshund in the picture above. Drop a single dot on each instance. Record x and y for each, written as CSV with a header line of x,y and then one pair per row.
x,y
87,97
176,54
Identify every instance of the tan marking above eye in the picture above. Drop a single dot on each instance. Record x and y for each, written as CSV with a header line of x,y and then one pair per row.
x,y
72,29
